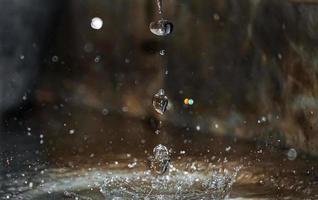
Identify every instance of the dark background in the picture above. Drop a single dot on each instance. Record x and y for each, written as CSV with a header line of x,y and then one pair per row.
x,y
250,66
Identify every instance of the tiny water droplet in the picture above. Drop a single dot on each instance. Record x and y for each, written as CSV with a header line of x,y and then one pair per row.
x,y
161,27
96,23
162,52
24,98
160,102
97,59
216,16
292,154
55,59
228,148
105,111
160,160
127,60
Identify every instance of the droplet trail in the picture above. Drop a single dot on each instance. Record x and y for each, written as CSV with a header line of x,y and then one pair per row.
x,y
159,4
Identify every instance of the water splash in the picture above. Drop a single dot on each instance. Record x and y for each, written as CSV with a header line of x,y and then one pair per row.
x,y
160,161
160,102
180,185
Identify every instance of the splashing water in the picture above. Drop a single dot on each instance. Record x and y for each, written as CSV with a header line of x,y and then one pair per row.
x,y
160,161
161,27
204,181
213,185
160,102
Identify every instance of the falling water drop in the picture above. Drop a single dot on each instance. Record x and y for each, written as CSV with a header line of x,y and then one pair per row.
x,y
160,101
161,27
160,160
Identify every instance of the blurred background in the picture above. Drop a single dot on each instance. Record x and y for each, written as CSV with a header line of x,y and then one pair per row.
x,y
69,92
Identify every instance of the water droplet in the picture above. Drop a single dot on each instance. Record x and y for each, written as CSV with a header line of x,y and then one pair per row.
x,y
24,98
71,132
228,148
160,160
216,125
160,102
162,52
88,47
22,57
292,154
97,59
97,23
161,27
105,111
216,17
55,59
263,119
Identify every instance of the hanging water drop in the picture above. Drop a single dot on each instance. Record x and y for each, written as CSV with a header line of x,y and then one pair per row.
x,y
160,102
161,160
161,27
